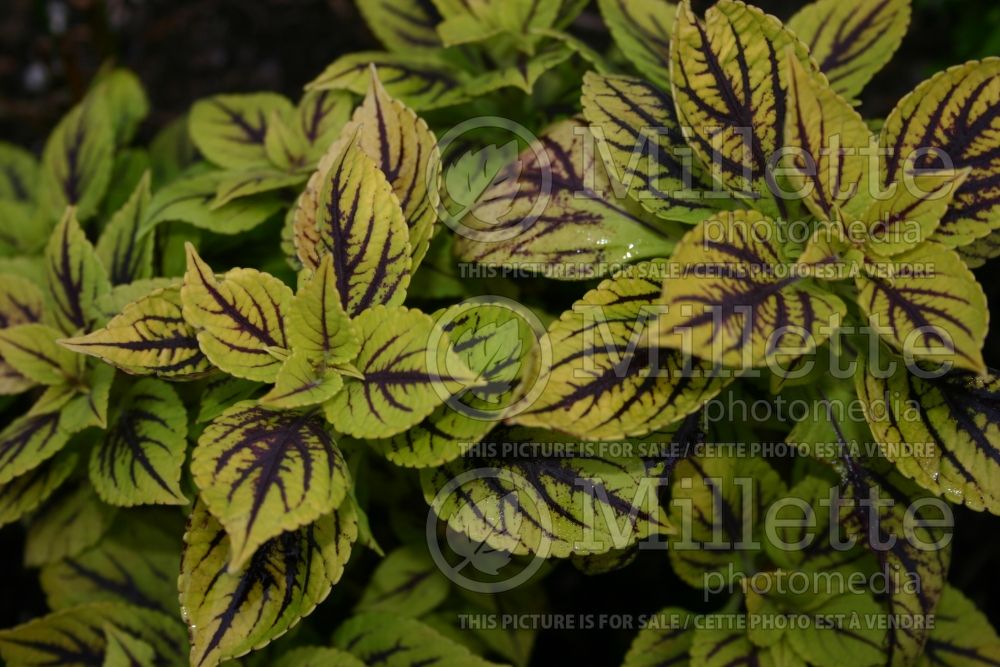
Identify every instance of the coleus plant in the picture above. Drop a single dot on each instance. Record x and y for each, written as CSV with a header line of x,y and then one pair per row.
x,y
229,428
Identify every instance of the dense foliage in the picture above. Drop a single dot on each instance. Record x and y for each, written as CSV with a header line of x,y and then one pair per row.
x,y
717,229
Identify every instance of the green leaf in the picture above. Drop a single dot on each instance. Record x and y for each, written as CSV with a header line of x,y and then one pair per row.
x,y
523,74
171,151
730,84
19,171
76,637
24,232
230,613
126,256
665,640
88,404
189,199
890,510
149,337
317,656
718,644
262,473
21,302
121,296
718,502
69,524
408,369
420,81
852,39
76,163
404,26
136,562
140,460
396,641
604,381
407,583
637,128
301,382
949,122
350,212
235,185
126,102
551,211
29,441
321,116
76,276
319,328
222,391
406,151
927,303
641,29
230,130
241,318
124,650
962,635
731,297
32,351
940,431
22,495
552,507
501,347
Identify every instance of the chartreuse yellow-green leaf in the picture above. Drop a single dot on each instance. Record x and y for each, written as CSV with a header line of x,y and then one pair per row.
x,y
25,493
605,381
500,346
127,256
135,562
641,29
851,39
125,99
422,81
881,503
407,641
940,430
140,459
408,368
76,162
406,151
719,644
636,125
730,82
912,214
32,351
233,185
926,303
230,130
241,318
853,636
962,635
951,122
76,276
231,612
554,211
321,115
523,74
149,337
349,211
77,636
718,504
829,145
731,297
552,507
262,473
406,582
402,25
29,441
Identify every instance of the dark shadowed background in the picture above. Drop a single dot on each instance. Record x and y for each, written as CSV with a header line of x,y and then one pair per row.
x,y
186,49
